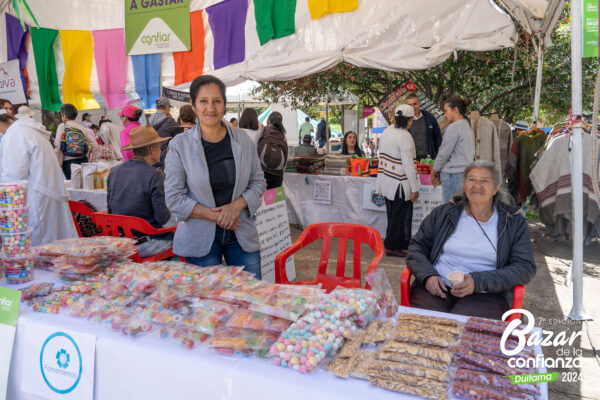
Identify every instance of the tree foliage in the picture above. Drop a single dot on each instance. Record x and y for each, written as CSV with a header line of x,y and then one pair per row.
x,y
501,81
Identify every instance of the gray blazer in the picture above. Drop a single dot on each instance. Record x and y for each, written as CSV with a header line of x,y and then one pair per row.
x,y
188,183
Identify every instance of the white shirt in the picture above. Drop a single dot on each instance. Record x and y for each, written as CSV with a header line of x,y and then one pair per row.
x,y
396,164
467,249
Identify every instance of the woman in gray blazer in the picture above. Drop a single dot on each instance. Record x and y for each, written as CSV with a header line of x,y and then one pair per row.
x,y
213,185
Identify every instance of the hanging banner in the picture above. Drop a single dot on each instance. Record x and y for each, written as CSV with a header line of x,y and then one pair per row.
x,y
274,233
10,300
157,26
590,28
11,85
58,363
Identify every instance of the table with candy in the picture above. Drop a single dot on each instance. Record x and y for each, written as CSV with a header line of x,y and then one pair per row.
x,y
17,260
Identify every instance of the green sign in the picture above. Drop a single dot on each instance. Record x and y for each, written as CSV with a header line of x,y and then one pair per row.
x,y
10,300
533,378
157,26
590,28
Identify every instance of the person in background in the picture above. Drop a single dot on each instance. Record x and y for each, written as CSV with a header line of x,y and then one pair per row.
x,y
5,122
164,124
7,106
521,127
350,145
86,120
234,122
96,129
306,148
136,188
214,184
424,130
109,133
130,117
74,143
305,129
397,180
322,133
249,123
26,154
273,150
457,150
470,253
187,117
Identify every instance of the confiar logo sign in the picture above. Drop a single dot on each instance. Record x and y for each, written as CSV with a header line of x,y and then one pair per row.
x,y
60,363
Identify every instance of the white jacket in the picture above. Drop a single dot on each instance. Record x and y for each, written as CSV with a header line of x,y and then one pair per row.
x,y
396,163
111,135
26,154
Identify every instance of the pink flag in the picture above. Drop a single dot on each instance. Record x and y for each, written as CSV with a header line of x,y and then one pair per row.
x,y
111,65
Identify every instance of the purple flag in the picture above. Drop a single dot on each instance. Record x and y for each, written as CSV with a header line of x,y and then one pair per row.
x,y
228,23
16,46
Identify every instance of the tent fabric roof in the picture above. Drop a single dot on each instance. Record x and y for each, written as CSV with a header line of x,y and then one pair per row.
x,y
379,34
536,16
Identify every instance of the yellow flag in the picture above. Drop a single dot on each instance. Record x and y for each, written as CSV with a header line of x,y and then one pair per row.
x,y
78,54
318,8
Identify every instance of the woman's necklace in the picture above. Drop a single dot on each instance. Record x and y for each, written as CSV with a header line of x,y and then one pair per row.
x,y
481,227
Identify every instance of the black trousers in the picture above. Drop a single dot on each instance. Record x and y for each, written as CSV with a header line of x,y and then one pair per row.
x,y
66,165
273,181
399,219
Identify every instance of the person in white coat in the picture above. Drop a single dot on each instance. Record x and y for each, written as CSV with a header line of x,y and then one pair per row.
x,y
111,135
26,154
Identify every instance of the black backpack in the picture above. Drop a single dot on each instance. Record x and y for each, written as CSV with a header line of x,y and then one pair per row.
x,y
272,151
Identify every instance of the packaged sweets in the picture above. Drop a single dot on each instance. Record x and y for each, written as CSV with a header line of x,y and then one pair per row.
x,y
36,290
14,220
249,319
17,244
18,270
243,339
387,306
13,194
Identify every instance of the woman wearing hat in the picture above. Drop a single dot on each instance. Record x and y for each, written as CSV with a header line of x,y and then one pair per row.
x,y
130,117
397,180
214,184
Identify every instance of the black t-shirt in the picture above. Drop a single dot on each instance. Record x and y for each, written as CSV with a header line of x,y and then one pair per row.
x,y
221,169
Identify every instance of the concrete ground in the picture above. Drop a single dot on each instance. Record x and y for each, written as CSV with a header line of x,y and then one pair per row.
x,y
546,297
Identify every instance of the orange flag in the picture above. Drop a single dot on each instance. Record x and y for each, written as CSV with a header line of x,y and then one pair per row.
x,y
190,64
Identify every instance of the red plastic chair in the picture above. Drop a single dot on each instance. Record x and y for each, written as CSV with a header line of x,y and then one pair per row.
x,y
79,208
327,231
518,294
110,224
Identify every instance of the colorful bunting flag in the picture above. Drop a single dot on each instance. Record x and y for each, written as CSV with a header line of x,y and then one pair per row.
x,y
274,19
228,23
78,55
111,65
190,64
318,8
146,73
16,46
43,52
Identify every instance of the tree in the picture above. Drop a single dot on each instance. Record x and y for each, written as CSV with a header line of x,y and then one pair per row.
x,y
501,81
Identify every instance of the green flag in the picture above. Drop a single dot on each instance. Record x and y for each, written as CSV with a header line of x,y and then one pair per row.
x,y
43,51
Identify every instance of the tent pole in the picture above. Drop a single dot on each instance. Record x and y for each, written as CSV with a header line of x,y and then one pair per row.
x,y
327,125
358,117
577,312
538,82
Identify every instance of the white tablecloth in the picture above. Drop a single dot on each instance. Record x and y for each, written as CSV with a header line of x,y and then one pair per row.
x,y
150,368
346,201
96,197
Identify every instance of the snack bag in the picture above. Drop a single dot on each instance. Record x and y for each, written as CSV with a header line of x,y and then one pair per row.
x,y
387,306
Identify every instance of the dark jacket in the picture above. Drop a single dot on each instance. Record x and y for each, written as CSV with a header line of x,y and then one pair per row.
x,y
166,127
321,131
515,263
434,135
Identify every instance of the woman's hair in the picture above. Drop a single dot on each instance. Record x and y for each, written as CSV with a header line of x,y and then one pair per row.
x,y
187,114
461,197
357,149
103,120
6,119
401,121
205,80
276,121
138,115
94,126
249,119
457,102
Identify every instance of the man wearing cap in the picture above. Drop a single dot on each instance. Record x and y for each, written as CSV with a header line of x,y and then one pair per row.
x,y
306,149
136,188
164,124
86,120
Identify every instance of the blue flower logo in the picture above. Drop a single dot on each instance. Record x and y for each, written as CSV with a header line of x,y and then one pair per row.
x,y
62,358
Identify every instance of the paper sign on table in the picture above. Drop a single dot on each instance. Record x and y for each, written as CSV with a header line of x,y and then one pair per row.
x,y
322,192
429,198
274,233
59,363
10,300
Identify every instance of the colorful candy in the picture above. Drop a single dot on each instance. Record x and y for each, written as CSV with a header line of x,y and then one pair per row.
x,y
13,194
14,220
17,244
18,270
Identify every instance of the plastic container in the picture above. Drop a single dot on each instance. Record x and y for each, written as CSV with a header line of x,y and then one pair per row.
x,y
13,194
19,269
17,244
14,220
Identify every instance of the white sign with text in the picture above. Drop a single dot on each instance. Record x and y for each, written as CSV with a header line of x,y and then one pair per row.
x,y
11,85
322,192
429,198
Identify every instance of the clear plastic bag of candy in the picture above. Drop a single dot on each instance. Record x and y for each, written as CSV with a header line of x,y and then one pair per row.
x,y
209,315
234,339
286,301
97,246
248,319
241,293
186,336
159,314
387,306
36,290
128,323
92,307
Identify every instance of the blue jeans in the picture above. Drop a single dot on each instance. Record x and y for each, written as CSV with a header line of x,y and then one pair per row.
x,y
451,183
226,245
322,143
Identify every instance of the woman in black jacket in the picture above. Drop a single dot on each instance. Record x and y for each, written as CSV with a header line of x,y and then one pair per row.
x,y
469,253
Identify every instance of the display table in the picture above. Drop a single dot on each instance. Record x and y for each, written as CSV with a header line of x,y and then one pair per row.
x,y
151,368
96,197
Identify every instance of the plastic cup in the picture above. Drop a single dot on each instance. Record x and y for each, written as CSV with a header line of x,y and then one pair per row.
x,y
14,220
456,277
19,269
17,244
13,194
